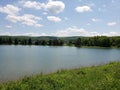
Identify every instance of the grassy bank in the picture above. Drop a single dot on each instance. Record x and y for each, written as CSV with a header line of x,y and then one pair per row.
x,y
103,77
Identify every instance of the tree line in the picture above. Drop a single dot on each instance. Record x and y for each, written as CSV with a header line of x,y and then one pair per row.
x,y
100,41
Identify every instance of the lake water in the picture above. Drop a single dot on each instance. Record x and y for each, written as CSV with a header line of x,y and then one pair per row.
x,y
17,61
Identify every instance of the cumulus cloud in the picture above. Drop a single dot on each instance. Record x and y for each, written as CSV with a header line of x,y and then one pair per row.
x,y
8,26
95,20
27,19
5,33
55,6
74,31
10,9
30,34
66,18
82,9
71,31
51,6
23,34
111,23
112,34
45,13
13,16
35,34
53,18
32,4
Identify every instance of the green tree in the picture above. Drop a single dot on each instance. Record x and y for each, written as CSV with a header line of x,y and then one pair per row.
x,y
104,41
50,42
16,41
1,40
10,40
78,42
29,41
43,42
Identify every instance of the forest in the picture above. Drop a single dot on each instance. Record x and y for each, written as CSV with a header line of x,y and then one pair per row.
x,y
99,41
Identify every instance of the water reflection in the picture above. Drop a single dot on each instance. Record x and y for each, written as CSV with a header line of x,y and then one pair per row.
x,y
17,61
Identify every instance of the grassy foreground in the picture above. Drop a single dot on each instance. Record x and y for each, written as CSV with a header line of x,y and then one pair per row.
x,y
103,77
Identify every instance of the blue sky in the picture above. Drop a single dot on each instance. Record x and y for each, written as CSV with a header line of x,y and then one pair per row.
x,y
60,17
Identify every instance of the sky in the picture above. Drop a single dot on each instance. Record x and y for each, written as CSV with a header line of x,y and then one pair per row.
x,y
60,17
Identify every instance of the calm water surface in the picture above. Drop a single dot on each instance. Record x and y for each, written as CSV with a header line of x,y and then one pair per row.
x,y
17,61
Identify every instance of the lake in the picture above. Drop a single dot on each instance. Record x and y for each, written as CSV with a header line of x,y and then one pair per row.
x,y
18,61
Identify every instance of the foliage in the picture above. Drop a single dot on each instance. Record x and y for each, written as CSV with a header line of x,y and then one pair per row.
x,y
103,77
78,42
100,41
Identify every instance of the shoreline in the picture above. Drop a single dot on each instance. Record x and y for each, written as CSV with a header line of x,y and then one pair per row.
x,y
53,72
76,76
64,46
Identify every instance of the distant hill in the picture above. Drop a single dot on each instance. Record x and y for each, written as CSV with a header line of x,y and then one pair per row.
x,y
99,41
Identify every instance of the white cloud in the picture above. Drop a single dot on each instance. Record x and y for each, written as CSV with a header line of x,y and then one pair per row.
x,y
74,31
27,19
5,33
23,34
112,34
82,9
95,20
71,31
10,9
32,4
45,13
13,18
38,25
51,6
53,18
66,18
8,26
111,23
55,6
31,34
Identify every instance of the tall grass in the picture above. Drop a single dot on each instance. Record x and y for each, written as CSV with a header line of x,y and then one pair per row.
x,y
103,77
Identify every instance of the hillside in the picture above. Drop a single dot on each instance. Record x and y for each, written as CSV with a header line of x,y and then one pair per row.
x,y
78,41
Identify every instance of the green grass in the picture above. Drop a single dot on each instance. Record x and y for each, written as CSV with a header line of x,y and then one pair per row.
x,y
103,77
